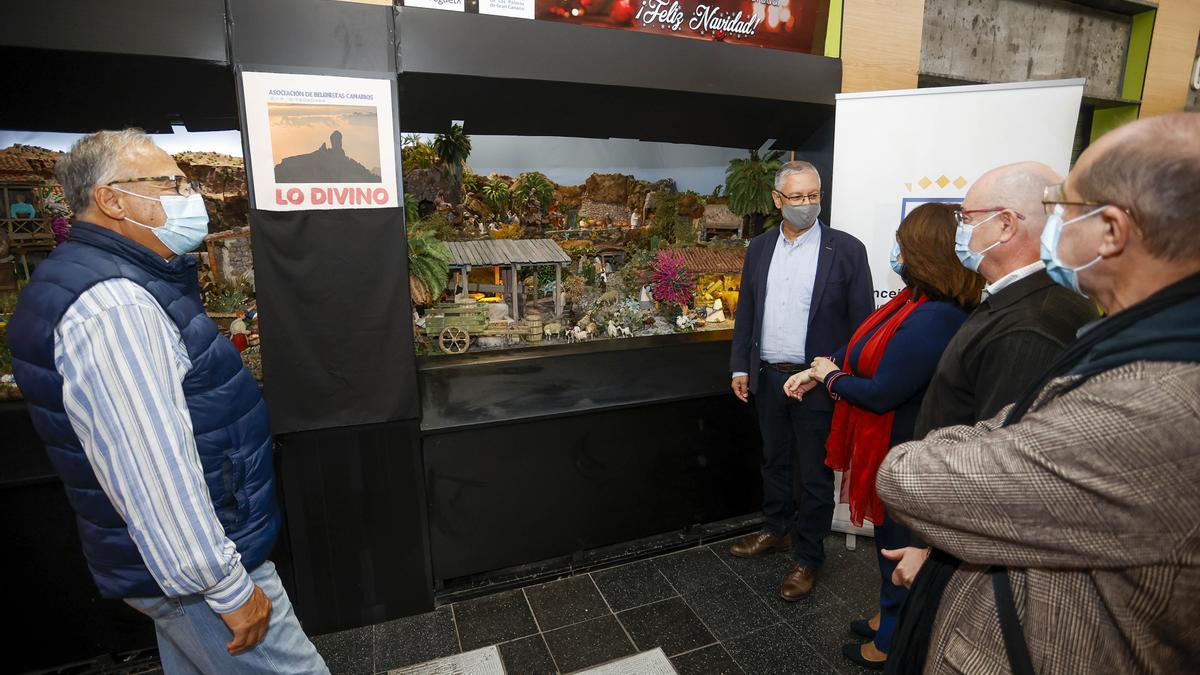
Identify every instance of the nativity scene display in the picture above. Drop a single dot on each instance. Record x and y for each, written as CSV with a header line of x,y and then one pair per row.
x,y
495,262
501,262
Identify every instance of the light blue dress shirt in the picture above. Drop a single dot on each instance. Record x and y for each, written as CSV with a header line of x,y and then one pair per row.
x,y
790,283
789,297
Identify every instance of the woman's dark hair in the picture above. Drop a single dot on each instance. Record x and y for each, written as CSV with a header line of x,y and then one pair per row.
x,y
931,268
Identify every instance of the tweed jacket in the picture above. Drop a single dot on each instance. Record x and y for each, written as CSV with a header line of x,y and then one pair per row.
x,y
1092,501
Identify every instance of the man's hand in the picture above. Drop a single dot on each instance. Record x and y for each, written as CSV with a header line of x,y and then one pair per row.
x,y
799,384
911,559
822,367
249,622
741,387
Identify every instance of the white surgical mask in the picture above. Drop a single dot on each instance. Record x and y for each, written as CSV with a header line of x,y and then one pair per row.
x,y
962,244
1062,274
187,221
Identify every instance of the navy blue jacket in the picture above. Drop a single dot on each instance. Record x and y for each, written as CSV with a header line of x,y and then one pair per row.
x,y
229,418
842,298
906,368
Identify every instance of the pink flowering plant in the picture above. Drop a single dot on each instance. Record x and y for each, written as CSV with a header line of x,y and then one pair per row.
x,y
670,282
62,230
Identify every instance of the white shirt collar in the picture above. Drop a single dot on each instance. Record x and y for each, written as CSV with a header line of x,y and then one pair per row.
x,y
1011,278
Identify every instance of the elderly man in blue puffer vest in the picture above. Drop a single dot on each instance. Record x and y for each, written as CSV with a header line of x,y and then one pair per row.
x,y
157,430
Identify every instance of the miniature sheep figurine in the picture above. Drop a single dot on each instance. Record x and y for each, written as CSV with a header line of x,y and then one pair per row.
x,y
625,332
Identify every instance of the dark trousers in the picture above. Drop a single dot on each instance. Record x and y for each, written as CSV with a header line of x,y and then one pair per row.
x,y
890,535
797,486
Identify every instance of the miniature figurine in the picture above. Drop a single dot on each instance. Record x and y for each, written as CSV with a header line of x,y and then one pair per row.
x,y
239,333
717,313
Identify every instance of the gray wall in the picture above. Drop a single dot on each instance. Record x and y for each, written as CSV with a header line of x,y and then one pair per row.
x,y
1019,40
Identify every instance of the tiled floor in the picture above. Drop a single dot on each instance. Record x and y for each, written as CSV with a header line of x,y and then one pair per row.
x,y
708,611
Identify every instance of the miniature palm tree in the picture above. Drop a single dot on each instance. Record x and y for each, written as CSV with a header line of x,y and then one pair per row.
x,y
533,190
497,194
453,147
748,184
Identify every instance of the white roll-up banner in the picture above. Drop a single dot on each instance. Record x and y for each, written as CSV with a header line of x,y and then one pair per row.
x,y
896,150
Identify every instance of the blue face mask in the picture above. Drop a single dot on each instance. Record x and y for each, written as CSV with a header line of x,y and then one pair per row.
x,y
897,266
962,244
187,221
1060,273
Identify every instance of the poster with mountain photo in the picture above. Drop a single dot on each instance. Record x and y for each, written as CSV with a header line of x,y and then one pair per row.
x,y
320,141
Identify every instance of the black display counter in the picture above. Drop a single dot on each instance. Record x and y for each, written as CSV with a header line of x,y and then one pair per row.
x,y
548,452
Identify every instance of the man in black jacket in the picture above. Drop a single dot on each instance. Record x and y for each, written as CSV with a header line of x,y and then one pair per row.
x,y
1023,323
804,291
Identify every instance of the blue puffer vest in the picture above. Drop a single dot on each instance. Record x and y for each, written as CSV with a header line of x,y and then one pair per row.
x,y
229,417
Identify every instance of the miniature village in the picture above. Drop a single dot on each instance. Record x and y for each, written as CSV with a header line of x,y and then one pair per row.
x,y
499,262
495,262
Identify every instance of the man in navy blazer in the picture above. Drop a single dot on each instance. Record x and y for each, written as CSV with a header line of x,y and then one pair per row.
x,y
805,288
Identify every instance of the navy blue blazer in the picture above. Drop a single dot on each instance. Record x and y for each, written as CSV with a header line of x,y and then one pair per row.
x,y
842,298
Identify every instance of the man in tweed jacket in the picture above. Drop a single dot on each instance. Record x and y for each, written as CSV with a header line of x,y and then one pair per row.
x,y
1090,494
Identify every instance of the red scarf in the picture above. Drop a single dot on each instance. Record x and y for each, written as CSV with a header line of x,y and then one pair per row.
x,y
859,438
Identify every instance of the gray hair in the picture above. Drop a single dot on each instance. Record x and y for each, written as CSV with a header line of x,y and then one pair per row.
x,y
1153,173
97,159
792,168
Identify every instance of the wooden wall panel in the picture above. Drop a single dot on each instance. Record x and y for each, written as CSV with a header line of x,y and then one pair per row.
x,y
881,44
1172,55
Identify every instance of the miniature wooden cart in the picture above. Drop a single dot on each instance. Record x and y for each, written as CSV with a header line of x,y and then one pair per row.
x,y
454,324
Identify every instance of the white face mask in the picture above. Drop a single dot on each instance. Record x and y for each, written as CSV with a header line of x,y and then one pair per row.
x,y
962,244
187,221
1060,273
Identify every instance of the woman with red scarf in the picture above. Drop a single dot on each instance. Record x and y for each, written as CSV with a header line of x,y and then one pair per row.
x,y
878,380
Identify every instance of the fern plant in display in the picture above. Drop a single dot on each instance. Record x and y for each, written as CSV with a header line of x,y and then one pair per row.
x,y
428,264
411,208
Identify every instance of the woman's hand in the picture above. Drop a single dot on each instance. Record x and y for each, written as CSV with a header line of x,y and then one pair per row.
x,y
799,384
822,367
911,560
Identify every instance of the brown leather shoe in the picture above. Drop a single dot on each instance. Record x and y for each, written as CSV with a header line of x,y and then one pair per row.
x,y
798,584
760,543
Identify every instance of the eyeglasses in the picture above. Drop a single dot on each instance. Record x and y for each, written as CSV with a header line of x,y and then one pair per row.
x,y
961,215
1055,195
183,186
798,200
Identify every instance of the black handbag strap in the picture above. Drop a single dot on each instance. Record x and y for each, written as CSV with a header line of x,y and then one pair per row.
x,y
1010,624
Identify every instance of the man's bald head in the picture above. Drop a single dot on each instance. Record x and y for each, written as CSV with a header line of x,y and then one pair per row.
x,y
1150,168
1018,188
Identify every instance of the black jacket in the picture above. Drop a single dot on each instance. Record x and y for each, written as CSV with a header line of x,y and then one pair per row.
x,y
1006,343
842,299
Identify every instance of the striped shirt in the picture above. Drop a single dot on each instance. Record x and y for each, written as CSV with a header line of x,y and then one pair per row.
x,y
123,362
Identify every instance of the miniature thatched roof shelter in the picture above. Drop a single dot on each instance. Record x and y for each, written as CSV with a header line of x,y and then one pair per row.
x,y
513,254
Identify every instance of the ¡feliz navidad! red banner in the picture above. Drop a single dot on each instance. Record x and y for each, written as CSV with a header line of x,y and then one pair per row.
x,y
794,25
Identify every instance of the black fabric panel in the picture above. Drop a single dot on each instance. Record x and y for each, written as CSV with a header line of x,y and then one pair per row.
x,y
313,34
336,321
